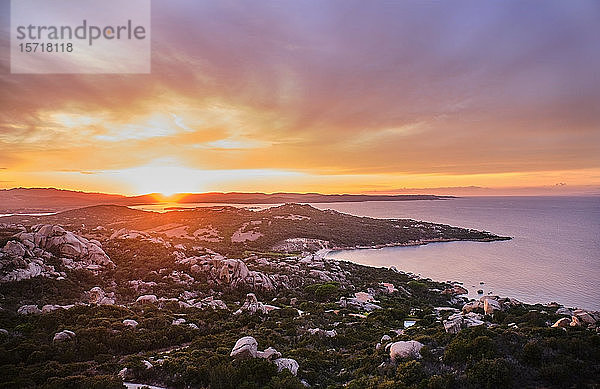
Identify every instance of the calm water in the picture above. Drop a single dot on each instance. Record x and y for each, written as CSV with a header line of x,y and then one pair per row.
x,y
554,254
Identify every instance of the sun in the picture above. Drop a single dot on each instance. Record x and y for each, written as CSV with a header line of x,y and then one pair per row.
x,y
166,180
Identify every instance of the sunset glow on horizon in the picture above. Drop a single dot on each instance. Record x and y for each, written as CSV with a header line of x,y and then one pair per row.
x,y
334,97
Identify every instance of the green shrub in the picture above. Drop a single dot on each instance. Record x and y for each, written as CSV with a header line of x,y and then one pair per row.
x,y
491,374
462,350
77,382
410,372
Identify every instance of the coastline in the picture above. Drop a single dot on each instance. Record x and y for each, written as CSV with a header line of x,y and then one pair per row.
x,y
420,243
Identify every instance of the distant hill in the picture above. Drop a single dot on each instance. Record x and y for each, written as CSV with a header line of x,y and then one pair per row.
x,y
51,199
280,198
34,199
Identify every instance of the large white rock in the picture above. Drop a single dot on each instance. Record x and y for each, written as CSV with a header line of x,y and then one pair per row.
x,y
405,349
14,248
147,299
454,323
27,255
96,294
318,331
562,323
472,319
28,310
362,300
252,305
56,239
246,347
287,363
472,306
233,272
130,323
31,270
49,307
63,335
458,321
564,311
269,353
490,305
584,316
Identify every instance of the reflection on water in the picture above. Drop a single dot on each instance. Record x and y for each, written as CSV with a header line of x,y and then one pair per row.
x,y
409,323
28,214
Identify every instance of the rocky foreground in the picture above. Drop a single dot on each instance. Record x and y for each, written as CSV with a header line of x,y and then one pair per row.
x,y
189,299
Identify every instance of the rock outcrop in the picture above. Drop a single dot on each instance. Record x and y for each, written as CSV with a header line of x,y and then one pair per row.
x,y
320,332
577,318
27,253
584,316
63,336
246,347
405,349
564,311
269,353
233,272
130,323
458,321
455,290
562,323
97,296
360,300
53,307
147,299
252,306
28,310
491,305
472,306
287,363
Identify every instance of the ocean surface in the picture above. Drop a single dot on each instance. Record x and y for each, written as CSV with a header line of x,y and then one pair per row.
x,y
554,254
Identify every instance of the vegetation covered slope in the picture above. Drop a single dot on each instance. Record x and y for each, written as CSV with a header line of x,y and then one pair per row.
x,y
314,319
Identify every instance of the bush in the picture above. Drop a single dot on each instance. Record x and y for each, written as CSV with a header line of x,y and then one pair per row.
x,y
285,380
462,350
410,372
76,382
417,286
531,354
441,382
324,292
491,374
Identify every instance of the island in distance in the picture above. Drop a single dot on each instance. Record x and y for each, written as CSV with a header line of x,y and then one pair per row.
x,y
225,297
21,200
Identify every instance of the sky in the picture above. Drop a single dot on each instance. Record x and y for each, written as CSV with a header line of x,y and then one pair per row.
x,y
480,97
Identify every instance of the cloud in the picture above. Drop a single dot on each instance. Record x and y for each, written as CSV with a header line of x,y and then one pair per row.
x,y
334,87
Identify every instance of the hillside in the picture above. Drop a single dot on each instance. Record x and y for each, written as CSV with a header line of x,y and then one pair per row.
x,y
224,297
232,230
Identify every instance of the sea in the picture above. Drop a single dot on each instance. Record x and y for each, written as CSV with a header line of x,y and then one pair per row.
x,y
553,256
